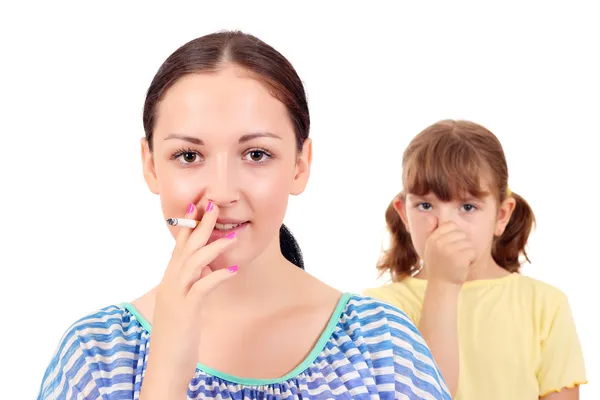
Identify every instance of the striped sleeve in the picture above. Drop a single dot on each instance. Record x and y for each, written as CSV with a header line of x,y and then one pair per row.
x,y
412,357
405,353
68,376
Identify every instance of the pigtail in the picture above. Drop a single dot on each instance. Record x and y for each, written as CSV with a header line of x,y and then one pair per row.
x,y
509,249
401,258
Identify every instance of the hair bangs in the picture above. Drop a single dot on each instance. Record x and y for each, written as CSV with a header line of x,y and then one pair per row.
x,y
449,168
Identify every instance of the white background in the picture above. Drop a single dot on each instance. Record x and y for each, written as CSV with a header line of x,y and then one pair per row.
x,y
80,230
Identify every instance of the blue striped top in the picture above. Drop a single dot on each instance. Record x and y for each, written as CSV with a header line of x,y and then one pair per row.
x,y
369,350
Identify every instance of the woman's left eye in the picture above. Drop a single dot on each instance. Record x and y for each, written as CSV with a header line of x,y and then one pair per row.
x,y
469,207
257,155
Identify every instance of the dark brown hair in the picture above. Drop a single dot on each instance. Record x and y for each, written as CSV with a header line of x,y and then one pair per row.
x,y
211,52
449,159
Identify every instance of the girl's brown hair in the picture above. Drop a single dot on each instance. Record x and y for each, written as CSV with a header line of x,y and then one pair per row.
x,y
448,159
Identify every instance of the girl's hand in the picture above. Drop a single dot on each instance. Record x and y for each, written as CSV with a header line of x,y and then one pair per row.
x,y
448,254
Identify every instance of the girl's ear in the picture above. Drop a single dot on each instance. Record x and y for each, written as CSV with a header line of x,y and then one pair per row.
x,y
504,213
400,207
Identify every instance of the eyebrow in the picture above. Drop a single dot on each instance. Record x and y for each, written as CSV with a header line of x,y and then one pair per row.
x,y
431,196
255,135
186,138
245,138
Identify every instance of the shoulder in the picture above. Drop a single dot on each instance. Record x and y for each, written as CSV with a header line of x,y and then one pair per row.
x,y
406,295
376,322
383,292
394,291
549,306
543,294
374,316
113,327
536,284
91,343
103,325
391,342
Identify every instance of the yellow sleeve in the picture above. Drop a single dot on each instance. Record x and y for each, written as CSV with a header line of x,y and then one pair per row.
x,y
394,297
562,364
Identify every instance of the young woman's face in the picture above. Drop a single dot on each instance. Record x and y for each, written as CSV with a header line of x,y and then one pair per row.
x,y
223,137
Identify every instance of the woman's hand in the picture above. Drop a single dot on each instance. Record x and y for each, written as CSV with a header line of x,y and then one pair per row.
x,y
188,279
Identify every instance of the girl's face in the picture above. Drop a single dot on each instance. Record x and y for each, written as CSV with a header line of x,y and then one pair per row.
x,y
223,137
480,218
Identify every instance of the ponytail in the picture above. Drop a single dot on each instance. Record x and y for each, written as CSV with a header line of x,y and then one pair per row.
x,y
400,259
289,247
508,248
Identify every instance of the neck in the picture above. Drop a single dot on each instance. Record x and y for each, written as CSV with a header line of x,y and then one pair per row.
x,y
257,284
486,269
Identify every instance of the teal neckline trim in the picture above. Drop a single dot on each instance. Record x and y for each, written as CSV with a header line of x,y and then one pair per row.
x,y
312,356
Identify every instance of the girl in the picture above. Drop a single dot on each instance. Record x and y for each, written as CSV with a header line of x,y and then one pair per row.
x,y
227,123
458,238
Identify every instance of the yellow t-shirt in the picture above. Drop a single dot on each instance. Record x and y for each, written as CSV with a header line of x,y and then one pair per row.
x,y
517,339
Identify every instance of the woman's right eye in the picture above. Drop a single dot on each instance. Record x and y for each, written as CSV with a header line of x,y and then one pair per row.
x,y
187,157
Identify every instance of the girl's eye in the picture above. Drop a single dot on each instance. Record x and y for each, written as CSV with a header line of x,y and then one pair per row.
x,y
469,207
424,206
258,156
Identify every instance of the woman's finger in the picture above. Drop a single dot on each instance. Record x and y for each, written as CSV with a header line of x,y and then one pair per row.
x,y
200,235
195,265
201,288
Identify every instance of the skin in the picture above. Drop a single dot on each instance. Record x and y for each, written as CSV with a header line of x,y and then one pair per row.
x,y
454,239
239,153
565,394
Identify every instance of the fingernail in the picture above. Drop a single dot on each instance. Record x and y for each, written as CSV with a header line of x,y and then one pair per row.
x,y
230,236
209,206
233,269
191,208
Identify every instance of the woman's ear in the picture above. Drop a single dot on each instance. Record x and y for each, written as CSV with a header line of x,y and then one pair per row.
x,y
148,167
302,168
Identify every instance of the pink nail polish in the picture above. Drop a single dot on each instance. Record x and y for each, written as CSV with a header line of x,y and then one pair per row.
x,y
233,269
191,208
209,206
230,236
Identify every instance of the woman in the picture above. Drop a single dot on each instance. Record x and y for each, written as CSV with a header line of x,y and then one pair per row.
x,y
227,123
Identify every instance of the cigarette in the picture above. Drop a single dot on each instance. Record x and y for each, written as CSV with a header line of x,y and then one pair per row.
x,y
186,223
